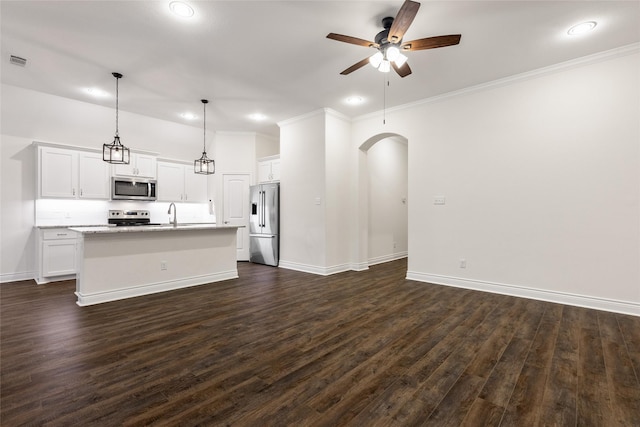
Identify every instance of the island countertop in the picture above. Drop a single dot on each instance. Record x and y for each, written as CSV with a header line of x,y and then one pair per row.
x,y
150,228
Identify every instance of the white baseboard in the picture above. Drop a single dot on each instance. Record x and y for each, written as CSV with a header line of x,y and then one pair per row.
x,y
531,293
53,279
306,268
387,258
16,277
326,271
153,288
360,266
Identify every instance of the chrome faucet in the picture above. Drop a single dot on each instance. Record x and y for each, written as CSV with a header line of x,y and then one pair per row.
x,y
175,221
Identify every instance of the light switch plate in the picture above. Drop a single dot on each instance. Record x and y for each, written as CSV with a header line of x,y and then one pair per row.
x,y
439,200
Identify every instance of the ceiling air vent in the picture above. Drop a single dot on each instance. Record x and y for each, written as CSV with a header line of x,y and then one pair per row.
x,y
16,60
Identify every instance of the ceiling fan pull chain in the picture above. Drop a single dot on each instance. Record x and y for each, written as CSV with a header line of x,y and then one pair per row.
x,y
385,84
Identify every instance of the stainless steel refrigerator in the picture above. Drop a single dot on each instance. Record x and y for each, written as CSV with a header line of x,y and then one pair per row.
x,y
264,224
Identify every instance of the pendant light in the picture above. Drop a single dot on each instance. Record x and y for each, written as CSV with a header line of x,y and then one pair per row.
x,y
116,152
204,165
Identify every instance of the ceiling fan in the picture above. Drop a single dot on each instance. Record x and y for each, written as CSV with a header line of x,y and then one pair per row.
x,y
389,42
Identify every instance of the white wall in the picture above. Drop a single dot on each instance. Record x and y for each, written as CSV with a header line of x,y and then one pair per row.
x,y
388,217
267,146
235,153
302,193
37,116
337,176
17,191
541,176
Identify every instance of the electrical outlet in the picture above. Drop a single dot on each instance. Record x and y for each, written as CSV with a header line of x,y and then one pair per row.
x,y
463,263
163,265
395,245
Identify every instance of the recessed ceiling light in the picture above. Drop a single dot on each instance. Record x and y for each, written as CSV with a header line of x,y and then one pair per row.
x,y
582,28
181,9
354,100
257,117
98,93
188,116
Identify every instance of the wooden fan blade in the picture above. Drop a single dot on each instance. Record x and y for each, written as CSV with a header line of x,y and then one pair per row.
x,y
403,20
432,42
355,66
403,71
352,40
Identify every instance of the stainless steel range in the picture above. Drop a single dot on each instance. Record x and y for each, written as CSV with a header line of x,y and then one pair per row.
x,y
130,218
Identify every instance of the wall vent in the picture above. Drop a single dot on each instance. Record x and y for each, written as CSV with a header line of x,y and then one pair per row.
x,y
16,60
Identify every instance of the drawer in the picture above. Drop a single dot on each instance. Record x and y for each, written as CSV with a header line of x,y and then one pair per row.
x,y
58,233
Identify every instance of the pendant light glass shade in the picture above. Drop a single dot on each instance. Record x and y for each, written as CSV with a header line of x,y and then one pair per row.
x,y
204,165
116,152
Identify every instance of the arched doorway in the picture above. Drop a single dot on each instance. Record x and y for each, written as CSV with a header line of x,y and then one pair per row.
x,y
383,190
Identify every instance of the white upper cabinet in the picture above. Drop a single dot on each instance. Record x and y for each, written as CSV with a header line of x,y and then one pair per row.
x,y
93,176
58,172
269,169
170,182
178,183
140,165
71,174
195,185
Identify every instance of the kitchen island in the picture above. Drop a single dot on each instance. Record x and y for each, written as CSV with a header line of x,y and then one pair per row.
x,y
115,263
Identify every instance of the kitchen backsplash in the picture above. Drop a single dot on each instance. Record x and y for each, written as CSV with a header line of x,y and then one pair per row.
x,y
50,212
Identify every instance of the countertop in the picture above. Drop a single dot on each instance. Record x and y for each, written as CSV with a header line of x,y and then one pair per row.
x,y
73,225
150,228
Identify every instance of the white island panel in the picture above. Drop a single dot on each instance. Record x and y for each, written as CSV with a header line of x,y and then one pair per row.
x,y
116,265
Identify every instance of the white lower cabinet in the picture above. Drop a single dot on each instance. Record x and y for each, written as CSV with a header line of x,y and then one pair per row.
x,y
56,254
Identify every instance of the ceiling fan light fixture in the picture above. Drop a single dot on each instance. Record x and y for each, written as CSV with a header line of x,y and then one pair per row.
x,y
376,59
400,60
392,53
385,66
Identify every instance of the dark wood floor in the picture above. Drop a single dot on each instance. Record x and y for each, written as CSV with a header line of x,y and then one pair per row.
x,y
279,347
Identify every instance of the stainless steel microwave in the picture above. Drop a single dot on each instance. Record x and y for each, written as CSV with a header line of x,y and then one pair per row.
x,y
124,188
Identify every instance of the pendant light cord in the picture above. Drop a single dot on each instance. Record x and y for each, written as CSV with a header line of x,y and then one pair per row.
x,y
117,97
204,127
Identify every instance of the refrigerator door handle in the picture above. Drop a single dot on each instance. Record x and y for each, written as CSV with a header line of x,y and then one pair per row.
x,y
259,209
264,208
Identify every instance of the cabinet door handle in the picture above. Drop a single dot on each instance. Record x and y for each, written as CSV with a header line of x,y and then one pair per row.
x,y
74,191
61,234
81,191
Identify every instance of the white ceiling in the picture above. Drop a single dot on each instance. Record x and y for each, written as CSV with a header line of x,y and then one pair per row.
x,y
273,57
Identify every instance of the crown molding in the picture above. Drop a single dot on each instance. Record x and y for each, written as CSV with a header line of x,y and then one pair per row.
x,y
529,75
292,120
